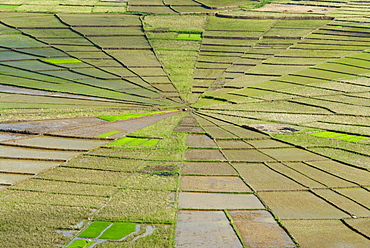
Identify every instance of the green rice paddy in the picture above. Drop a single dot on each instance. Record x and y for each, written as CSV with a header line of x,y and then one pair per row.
x,y
94,230
340,136
63,61
118,231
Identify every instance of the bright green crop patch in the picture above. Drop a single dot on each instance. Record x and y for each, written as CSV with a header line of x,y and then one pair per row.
x,y
151,142
122,141
107,230
129,116
196,37
340,136
118,231
81,243
94,230
106,135
7,7
63,61
129,141
137,142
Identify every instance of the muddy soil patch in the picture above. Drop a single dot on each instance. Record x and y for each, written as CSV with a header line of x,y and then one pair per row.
x,y
188,121
46,126
245,133
27,153
259,229
205,229
11,136
218,201
200,140
203,155
219,133
247,155
292,154
344,171
188,129
295,175
204,168
10,179
269,143
59,143
343,202
230,144
25,166
320,176
326,233
359,195
260,177
361,225
287,206
213,184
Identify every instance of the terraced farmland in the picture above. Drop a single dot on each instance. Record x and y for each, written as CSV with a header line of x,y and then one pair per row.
x,y
184,123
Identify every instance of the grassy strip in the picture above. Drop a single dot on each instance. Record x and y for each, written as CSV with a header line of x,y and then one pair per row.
x,y
94,229
106,135
118,230
129,116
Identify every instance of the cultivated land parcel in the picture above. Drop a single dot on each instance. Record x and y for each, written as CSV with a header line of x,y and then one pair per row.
x,y
183,123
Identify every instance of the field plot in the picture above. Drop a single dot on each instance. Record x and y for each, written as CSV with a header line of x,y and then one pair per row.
x,y
184,123
218,201
213,184
261,178
328,232
253,224
202,168
285,207
199,228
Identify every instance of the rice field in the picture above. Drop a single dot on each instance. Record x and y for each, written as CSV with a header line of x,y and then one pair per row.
x,y
184,123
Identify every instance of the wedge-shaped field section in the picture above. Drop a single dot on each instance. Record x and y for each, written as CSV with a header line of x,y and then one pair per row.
x,y
286,206
326,232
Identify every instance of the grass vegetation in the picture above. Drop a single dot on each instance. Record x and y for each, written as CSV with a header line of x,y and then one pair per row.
x,y
139,206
